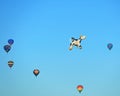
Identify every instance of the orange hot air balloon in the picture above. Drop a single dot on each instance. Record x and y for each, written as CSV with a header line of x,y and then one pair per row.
x,y
10,63
80,88
36,72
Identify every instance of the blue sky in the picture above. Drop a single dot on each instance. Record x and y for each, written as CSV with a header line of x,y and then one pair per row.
x,y
42,29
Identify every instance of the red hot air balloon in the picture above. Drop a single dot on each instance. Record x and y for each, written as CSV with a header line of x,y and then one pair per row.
x,y
80,88
36,72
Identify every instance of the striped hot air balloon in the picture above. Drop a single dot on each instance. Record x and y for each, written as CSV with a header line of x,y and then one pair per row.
x,y
10,63
79,88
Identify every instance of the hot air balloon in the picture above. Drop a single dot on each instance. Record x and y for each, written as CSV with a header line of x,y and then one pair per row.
x,y
10,41
76,42
36,72
7,48
109,46
10,63
79,88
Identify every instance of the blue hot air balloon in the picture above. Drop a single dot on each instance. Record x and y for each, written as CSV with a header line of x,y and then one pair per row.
x,y
7,48
110,46
10,41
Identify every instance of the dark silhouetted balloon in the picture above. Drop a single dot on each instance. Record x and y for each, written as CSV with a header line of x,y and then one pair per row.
x,y
80,88
109,46
10,63
36,72
10,41
7,48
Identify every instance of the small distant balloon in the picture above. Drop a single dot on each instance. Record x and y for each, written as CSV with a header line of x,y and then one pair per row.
x,y
10,41
83,37
36,72
10,63
109,46
79,88
7,48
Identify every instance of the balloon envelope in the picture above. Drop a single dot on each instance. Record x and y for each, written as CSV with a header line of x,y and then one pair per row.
x,y
7,48
109,46
10,63
36,72
80,88
10,41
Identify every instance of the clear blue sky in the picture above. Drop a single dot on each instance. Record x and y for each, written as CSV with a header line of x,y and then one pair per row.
x,y
42,30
